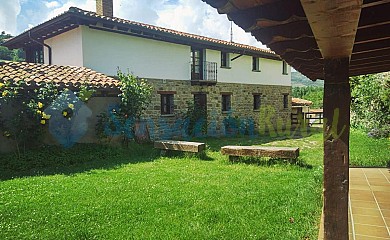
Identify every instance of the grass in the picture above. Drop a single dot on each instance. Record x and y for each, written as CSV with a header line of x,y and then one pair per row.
x,y
95,192
368,152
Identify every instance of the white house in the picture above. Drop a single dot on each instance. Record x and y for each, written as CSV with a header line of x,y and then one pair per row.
x,y
223,77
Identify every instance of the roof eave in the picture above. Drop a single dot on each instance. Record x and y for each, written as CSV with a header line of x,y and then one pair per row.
x,y
78,18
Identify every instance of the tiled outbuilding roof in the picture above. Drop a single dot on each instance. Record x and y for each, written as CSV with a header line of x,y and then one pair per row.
x,y
301,102
67,76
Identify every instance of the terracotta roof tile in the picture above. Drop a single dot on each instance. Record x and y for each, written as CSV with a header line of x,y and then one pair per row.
x,y
35,74
171,31
301,102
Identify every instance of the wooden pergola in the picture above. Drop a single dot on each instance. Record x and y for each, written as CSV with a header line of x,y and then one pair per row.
x,y
330,40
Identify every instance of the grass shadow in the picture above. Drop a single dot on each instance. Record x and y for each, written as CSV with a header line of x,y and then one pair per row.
x,y
215,143
268,162
180,154
50,160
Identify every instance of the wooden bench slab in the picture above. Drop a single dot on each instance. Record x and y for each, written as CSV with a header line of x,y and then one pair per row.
x,y
260,151
180,146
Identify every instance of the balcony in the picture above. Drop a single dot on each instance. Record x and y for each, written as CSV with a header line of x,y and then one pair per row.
x,y
204,73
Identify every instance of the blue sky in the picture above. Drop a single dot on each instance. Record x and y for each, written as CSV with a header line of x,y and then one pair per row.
x,y
192,16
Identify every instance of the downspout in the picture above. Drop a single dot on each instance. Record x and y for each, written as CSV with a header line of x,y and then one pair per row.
x,y
42,44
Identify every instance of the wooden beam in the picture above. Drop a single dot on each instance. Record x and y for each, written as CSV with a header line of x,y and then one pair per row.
x,y
369,54
381,61
280,12
334,25
384,65
374,45
375,16
371,3
301,45
370,34
369,71
251,3
290,31
312,53
337,98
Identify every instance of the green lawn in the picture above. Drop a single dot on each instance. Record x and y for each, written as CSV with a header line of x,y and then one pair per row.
x,y
368,152
95,192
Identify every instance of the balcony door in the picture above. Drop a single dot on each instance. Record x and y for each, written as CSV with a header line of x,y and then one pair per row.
x,y
196,63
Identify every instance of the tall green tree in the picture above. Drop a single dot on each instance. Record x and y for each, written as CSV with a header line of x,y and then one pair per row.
x,y
10,55
314,94
370,105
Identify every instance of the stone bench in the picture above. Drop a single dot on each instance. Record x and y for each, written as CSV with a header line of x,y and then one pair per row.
x,y
183,146
259,151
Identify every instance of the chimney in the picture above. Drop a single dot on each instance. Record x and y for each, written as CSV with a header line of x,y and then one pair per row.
x,y
104,7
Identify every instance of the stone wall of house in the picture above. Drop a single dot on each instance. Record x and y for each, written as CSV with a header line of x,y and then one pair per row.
x,y
169,126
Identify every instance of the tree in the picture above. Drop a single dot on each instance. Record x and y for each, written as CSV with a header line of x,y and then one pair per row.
x,y
6,54
314,94
10,55
370,104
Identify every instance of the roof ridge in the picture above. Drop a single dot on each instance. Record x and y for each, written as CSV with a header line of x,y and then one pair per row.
x,y
172,31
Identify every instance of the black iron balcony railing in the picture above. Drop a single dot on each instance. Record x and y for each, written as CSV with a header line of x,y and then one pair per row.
x,y
206,71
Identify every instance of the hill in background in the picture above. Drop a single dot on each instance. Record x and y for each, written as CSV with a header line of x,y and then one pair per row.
x,y
298,80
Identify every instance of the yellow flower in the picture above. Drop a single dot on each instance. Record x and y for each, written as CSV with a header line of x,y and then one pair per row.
x,y
1,85
71,106
40,105
43,121
4,93
39,111
46,116
65,113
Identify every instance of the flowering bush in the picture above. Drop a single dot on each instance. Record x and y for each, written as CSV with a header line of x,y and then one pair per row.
x,y
22,110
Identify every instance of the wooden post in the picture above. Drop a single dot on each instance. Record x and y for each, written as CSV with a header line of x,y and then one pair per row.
x,y
337,97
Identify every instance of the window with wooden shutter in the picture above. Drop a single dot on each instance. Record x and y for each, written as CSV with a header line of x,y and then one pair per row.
x,y
226,102
167,104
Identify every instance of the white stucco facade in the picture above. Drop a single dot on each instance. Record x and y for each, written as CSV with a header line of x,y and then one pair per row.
x,y
240,71
105,51
67,48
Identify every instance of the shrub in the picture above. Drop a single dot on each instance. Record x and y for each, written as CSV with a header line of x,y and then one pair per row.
x,y
25,118
135,96
195,119
370,104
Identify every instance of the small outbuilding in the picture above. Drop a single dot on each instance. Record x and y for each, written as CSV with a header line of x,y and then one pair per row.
x,y
299,109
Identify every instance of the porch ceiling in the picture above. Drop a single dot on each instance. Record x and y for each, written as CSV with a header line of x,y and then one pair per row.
x,y
304,32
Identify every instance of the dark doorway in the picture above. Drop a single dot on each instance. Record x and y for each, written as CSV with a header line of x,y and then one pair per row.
x,y
198,120
200,100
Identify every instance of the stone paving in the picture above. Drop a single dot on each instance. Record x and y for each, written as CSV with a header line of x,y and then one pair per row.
x,y
369,204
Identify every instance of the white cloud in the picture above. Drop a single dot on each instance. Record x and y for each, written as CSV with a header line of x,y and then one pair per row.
x,y
52,4
83,4
197,17
142,11
9,11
